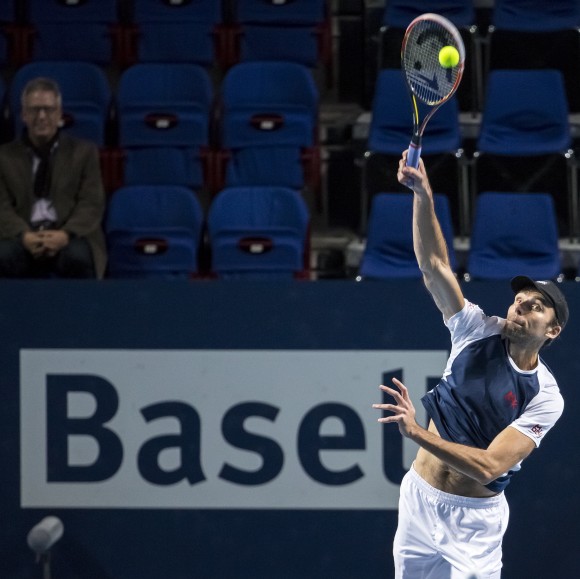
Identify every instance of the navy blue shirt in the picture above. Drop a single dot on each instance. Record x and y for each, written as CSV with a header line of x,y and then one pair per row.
x,y
482,391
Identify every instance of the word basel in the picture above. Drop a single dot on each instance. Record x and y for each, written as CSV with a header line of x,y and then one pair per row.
x,y
310,441
214,428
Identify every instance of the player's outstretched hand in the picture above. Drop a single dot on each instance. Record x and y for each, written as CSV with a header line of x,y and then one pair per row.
x,y
403,412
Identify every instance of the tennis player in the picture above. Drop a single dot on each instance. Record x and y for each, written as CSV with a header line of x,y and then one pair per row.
x,y
494,404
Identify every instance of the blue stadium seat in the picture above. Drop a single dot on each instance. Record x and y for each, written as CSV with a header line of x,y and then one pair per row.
x,y
276,165
525,141
7,24
267,103
88,31
153,231
535,15
535,34
164,165
296,31
258,233
525,113
177,31
392,119
399,13
292,12
514,233
389,250
389,134
268,121
86,94
164,115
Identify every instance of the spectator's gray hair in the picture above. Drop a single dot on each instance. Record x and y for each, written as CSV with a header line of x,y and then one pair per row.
x,y
44,84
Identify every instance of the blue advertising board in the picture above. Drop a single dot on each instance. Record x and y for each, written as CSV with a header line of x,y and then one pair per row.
x,y
214,430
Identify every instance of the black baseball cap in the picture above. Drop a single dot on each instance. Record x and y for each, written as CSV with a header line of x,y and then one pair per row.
x,y
549,290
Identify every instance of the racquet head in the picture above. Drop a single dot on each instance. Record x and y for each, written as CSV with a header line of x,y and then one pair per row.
x,y
424,38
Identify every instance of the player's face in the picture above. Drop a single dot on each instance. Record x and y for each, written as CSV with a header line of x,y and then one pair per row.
x,y
41,113
531,318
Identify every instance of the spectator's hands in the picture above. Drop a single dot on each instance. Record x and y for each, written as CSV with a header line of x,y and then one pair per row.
x,y
53,240
45,243
33,242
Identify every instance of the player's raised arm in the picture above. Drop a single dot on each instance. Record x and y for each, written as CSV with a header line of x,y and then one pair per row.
x,y
429,243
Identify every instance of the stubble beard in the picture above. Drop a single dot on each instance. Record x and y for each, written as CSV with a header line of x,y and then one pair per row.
x,y
515,333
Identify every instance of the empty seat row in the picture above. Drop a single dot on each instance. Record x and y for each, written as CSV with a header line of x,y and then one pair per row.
x,y
512,232
263,233
171,127
524,144
204,32
515,34
161,231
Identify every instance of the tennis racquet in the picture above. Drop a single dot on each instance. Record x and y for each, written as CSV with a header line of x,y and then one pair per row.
x,y
428,81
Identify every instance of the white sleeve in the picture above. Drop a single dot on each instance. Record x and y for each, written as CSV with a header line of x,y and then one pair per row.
x,y
471,320
541,414
469,325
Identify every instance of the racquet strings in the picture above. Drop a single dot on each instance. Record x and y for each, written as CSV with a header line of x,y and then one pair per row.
x,y
428,80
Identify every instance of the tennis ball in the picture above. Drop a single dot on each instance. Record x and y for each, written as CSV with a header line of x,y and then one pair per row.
x,y
448,57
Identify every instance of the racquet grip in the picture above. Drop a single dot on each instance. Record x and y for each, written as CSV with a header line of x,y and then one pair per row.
x,y
413,155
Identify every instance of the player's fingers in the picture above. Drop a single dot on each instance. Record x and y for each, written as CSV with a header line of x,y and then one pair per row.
x,y
404,177
399,385
404,392
389,407
402,165
388,389
386,419
409,171
394,393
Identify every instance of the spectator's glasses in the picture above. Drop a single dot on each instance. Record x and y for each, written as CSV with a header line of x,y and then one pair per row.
x,y
36,110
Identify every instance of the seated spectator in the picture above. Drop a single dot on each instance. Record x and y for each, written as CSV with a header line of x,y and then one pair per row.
x,y
52,198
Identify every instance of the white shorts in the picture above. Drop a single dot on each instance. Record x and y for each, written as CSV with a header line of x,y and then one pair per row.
x,y
445,536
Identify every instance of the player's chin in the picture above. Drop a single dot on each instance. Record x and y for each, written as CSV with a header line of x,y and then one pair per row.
x,y
513,329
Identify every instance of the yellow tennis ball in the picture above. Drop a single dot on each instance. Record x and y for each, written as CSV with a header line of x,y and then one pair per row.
x,y
448,57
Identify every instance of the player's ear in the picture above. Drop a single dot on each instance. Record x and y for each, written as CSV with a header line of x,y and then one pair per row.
x,y
553,331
